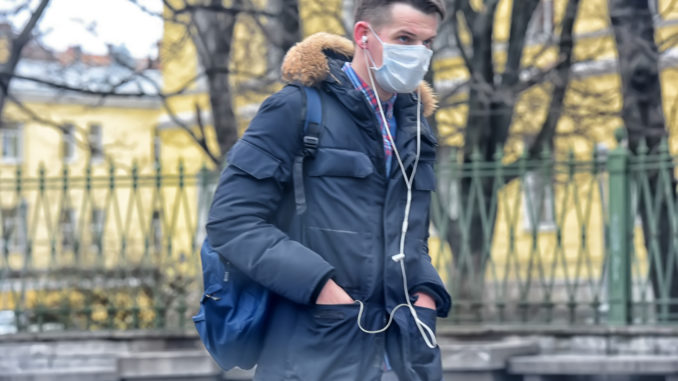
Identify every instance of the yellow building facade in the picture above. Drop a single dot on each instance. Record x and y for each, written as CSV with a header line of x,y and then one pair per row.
x,y
568,245
95,134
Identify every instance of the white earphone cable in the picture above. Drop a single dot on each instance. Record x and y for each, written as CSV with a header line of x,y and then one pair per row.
x,y
426,332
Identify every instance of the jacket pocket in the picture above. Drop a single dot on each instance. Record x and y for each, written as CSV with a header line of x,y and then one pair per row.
x,y
407,351
426,362
334,312
340,163
340,192
326,343
350,254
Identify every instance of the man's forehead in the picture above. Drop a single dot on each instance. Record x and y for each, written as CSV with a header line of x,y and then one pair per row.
x,y
424,33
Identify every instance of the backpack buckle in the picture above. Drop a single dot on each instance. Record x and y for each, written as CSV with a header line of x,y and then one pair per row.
x,y
311,142
310,145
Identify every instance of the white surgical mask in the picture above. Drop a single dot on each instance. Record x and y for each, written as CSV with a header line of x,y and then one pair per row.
x,y
402,66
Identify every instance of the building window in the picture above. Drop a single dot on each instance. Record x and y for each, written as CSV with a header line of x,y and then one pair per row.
x,y
155,231
96,146
538,202
68,142
11,142
96,227
156,148
67,228
541,23
14,227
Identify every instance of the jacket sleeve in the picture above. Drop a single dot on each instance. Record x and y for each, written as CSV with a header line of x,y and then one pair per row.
x,y
425,277
434,288
249,192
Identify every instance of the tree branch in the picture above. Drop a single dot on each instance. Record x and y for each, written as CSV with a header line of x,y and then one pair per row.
x,y
232,10
17,47
560,84
469,13
16,10
456,32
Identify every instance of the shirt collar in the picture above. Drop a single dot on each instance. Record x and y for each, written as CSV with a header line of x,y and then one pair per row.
x,y
361,85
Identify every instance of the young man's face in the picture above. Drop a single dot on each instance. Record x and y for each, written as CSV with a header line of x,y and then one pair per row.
x,y
407,26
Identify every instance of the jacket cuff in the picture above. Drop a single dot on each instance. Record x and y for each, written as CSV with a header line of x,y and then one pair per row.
x,y
319,286
439,295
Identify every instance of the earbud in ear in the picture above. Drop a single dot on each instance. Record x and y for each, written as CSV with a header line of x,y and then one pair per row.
x,y
364,39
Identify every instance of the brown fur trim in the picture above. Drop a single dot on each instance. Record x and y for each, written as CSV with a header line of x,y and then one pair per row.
x,y
306,63
428,99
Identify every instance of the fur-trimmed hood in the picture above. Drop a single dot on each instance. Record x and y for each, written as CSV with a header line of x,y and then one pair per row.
x,y
307,63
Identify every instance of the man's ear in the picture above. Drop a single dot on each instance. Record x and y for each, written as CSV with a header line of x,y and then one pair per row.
x,y
360,33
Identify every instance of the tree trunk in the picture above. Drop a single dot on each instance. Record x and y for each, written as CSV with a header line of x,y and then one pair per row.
x,y
561,80
465,233
632,23
213,39
283,31
491,104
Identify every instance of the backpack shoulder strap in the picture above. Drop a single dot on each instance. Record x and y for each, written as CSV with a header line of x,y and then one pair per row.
x,y
311,137
313,121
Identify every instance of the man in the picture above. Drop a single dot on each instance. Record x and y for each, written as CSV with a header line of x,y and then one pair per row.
x,y
342,270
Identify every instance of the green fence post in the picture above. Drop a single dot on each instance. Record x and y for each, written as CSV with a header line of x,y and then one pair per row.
x,y
619,246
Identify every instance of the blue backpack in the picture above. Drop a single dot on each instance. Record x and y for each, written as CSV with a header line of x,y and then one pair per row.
x,y
234,309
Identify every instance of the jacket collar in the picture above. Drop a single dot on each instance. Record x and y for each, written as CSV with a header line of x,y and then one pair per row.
x,y
319,57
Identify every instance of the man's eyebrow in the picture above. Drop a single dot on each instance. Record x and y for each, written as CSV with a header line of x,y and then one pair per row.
x,y
407,32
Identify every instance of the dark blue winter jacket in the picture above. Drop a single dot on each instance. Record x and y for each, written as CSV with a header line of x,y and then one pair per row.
x,y
349,232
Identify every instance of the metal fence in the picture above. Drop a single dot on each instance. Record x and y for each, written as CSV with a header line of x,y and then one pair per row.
x,y
559,240
112,250
556,240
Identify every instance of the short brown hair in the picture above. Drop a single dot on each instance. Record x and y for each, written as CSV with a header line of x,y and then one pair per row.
x,y
374,10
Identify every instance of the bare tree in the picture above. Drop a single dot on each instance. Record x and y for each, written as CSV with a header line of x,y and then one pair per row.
x,y
643,116
212,33
209,25
491,100
16,46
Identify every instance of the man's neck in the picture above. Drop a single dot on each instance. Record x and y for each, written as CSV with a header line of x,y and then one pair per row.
x,y
358,65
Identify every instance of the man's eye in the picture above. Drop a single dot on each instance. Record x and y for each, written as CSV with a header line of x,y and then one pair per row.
x,y
428,43
404,39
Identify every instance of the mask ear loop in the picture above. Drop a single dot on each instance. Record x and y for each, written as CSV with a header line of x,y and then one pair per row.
x,y
426,332
369,55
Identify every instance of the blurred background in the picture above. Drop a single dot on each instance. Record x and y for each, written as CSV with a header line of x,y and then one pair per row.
x,y
554,223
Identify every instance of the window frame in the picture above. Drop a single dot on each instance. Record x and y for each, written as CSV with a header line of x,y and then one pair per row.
x,y
18,136
63,236
157,148
68,148
547,218
155,230
96,229
18,241
96,142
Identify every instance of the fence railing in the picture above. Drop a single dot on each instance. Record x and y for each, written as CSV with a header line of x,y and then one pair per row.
x,y
553,240
100,251
559,240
